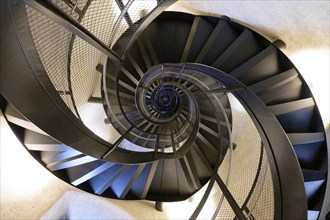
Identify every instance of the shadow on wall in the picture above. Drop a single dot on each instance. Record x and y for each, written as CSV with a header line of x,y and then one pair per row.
x,y
314,65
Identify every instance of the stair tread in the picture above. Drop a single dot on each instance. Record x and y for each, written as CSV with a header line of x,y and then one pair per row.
x,y
232,48
275,81
285,93
202,140
82,173
283,108
71,162
130,75
190,172
123,183
103,181
255,60
127,86
210,41
209,130
60,156
196,39
149,179
40,142
203,158
145,56
190,39
312,214
306,138
313,175
17,118
172,38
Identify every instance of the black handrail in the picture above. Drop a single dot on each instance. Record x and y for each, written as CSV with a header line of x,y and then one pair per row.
x,y
42,104
287,205
285,177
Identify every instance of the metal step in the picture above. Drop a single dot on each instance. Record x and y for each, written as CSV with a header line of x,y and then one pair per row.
x,y
17,118
84,172
141,186
198,35
40,142
222,36
296,116
123,184
309,148
313,180
244,47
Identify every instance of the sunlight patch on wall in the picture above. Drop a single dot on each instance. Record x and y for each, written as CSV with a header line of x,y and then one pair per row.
x,y
16,168
313,64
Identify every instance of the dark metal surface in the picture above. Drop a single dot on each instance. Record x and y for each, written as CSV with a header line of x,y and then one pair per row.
x,y
159,206
126,15
266,123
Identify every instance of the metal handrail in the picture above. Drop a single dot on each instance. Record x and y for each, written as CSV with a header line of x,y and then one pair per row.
x,y
275,142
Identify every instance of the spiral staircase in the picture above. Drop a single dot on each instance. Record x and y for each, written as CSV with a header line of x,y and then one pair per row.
x,y
139,107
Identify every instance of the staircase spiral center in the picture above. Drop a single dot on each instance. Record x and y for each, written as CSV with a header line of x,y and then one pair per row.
x,y
165,100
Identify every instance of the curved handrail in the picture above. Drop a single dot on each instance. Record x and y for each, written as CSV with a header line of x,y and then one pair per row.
x,y
54,117
278,147
283,162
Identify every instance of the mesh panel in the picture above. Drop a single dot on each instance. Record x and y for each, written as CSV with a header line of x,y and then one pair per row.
x,y
100,19
71,63
72,8
123,26
227,212
261,203
245,157
249,159
137,12
85,82
249,163
52,43
140,9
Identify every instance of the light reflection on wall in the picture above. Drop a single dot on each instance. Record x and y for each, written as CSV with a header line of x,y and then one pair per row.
x,y
313,64
17,181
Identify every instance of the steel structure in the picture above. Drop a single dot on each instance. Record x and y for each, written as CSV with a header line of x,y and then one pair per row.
x,y
161,84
